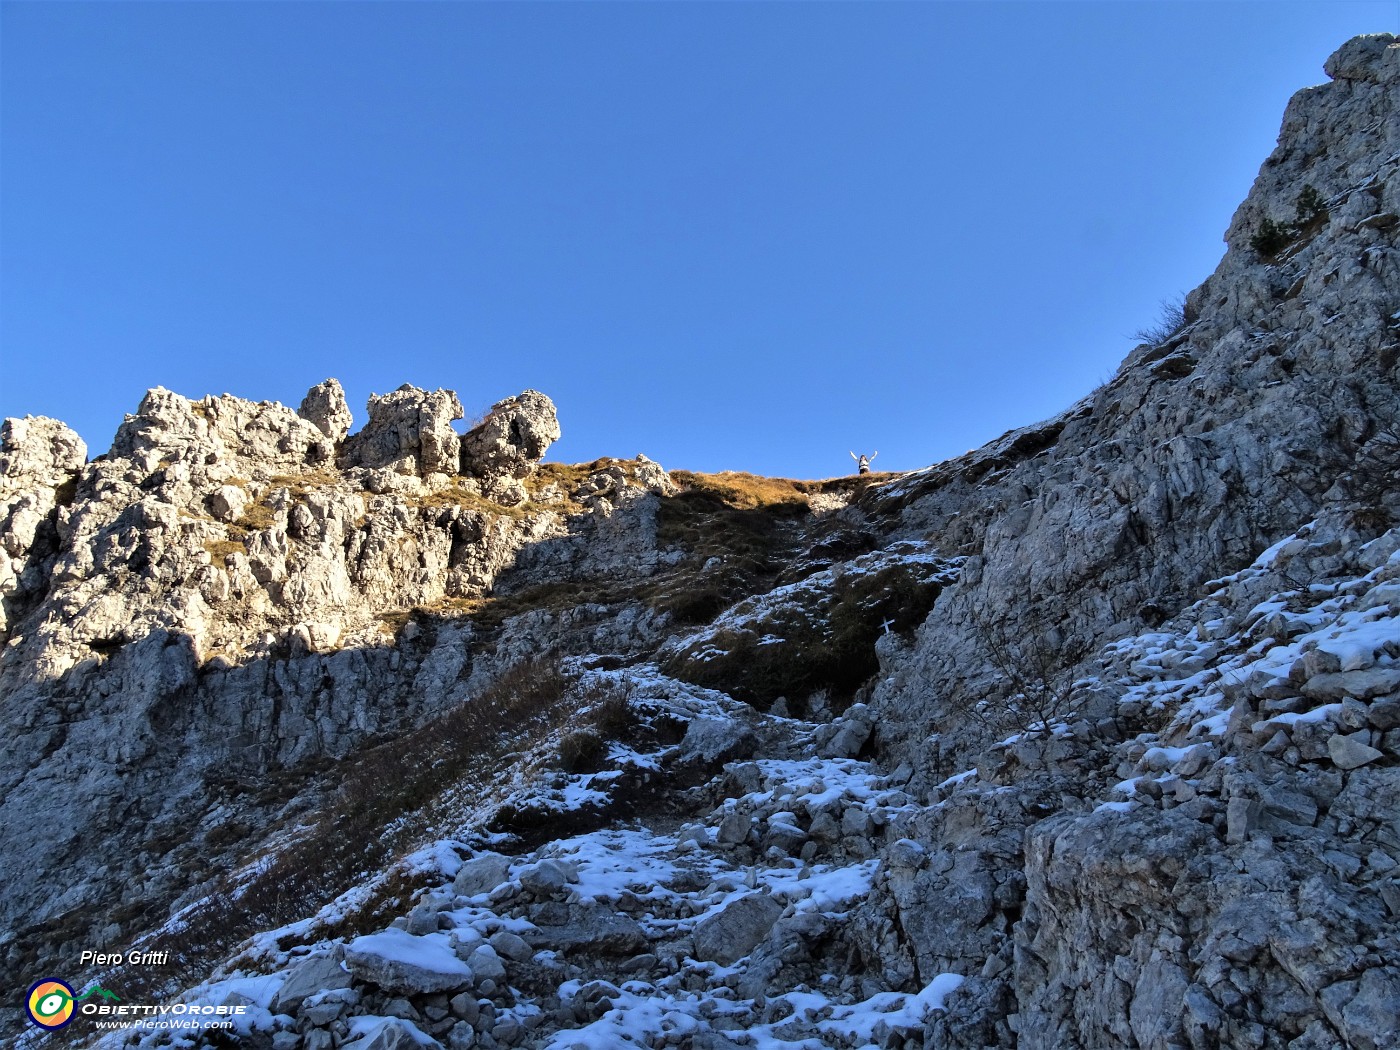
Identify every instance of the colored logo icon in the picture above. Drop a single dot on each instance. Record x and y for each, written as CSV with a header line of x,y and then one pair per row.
x,y
50,1004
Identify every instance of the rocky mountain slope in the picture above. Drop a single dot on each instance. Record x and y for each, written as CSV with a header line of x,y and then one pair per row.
x,y
1089,738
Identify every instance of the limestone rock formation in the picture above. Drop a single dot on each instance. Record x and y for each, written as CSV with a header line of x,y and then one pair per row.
x,y
324,405
513,437
409,432
38,460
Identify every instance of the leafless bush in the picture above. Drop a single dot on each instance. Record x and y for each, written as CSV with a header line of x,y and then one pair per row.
x,y
1171,319
1038,672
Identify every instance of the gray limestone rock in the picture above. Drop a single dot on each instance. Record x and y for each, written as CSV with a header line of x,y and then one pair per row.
x,y
307,978
546,878
400,962
1350,751
324,406
512,439
409,431
728,935
589,928
1361,685
1374,58
709,741
395,1034
481,874
734,829
511,946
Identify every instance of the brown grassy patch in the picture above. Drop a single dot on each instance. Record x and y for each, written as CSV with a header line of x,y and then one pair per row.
x,y
568,476
257,517
220,550
456,494
299,484
747,491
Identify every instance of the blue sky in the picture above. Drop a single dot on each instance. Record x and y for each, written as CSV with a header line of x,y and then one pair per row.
x,y
731,236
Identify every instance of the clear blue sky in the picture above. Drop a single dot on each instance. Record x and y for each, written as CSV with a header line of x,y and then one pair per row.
x,y
731,236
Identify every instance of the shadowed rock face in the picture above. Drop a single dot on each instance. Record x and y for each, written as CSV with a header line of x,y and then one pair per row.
x,y
39,457
1123,775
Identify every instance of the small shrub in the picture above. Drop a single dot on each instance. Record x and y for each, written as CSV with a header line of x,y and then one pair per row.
x,y
1038,677
1171,319
66,491
612,716
696,604
1310,205
1270,239
256,517
581,751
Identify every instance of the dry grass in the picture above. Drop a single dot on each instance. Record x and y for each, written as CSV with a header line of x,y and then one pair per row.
x,y
456,494
257,517
747,491
220,550
300,484
569,476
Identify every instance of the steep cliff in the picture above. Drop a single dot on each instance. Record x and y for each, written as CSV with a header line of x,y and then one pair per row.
x,y
1089,738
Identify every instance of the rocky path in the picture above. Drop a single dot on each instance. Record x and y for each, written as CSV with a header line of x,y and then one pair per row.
x,y
721,927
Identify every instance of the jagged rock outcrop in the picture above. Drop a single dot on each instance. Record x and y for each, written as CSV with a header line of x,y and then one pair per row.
x,y
1267,405
217,587
409,432
513,437
324,406
39,459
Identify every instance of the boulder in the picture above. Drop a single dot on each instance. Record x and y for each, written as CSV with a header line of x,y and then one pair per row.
x,y
409,431
1351,751
731,933
481,874
228,502
1360,685
511,946
512,439
400,962
587,927
712,741
324,407
845,738
308,977
546,878
387,1033
734,829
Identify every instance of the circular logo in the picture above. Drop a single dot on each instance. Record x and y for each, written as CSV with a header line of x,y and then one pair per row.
x,y
50,1004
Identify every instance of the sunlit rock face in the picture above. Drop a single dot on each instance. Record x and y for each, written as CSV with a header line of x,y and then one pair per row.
x,y
1088,738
